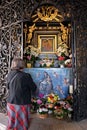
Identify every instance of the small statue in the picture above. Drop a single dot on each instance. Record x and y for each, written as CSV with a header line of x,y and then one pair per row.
x,y
31,29
64,32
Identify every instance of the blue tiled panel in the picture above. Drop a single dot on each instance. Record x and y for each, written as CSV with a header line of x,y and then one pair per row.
x,y
49,80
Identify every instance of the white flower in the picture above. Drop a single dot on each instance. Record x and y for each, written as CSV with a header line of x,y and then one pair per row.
x,y
40,110
62,48
70,56
70,109
67,61
45,109
33,51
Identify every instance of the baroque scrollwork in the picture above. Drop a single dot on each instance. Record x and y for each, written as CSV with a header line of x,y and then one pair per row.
x,y
16,10
4,65
47,14
10,43
16,40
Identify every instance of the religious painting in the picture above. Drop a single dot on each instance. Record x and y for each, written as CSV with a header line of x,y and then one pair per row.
x,y
54,80
47,43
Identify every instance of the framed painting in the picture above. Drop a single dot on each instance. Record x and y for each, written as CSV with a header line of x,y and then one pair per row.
x,y
47,43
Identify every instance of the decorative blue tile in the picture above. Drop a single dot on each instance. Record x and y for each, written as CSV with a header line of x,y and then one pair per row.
x,y
56,80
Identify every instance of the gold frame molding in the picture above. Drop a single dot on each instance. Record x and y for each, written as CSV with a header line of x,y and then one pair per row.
x,y
49,42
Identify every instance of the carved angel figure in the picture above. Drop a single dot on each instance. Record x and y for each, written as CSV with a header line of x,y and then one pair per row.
x,y
31,29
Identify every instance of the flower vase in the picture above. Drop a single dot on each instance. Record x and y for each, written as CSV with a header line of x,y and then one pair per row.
x,y
29,65
43,116
59,117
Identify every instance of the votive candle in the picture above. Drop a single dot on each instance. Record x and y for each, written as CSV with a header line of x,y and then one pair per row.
x,y
71,89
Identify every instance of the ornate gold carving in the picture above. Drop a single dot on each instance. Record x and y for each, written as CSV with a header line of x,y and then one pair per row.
x,y
29,35
64,33
47,13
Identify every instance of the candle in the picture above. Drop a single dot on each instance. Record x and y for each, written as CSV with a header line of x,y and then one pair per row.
x,y
71,89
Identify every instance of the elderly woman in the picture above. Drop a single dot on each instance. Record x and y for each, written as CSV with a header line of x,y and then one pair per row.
x,y
20,85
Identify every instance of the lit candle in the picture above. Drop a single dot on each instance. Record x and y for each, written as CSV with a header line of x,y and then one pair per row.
x,y
71,89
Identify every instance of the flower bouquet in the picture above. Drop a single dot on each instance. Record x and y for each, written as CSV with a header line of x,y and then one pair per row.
x,y
69,101
31,54
61,60
58,113
36,102
43,111
52,98
67,109
46,63
30,60
51,104
62,53
62,49
68,62
63,109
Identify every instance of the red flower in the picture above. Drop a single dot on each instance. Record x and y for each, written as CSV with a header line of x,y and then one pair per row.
x,y
61,58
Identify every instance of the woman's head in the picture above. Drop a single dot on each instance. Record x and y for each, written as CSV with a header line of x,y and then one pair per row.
x,y
17,63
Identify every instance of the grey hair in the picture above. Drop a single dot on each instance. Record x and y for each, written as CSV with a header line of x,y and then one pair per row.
x,y
17,63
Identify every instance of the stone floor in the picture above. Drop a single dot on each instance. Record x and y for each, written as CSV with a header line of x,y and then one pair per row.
x,y
49,123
